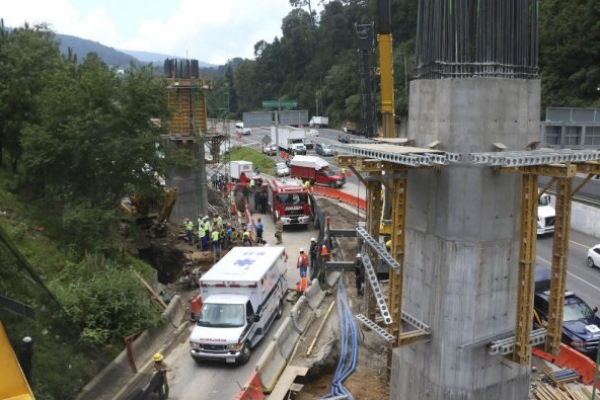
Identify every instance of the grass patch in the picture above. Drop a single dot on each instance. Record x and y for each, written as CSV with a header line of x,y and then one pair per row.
x,y
265,163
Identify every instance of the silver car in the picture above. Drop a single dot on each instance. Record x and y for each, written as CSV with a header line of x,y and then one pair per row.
x,y
281,169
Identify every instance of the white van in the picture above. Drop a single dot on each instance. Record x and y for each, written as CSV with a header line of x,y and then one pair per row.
x,y
239,129
545,215
242,295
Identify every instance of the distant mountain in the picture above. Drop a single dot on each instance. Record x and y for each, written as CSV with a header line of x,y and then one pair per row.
x,y
114,57
159,59
81,47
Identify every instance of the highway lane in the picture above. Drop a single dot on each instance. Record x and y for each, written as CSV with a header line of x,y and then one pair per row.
x,y
210,380
581,279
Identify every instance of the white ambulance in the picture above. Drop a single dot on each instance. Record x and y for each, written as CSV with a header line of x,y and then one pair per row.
x,y
242,295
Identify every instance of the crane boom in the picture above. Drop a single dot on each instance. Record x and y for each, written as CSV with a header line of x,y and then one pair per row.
x,y
386,68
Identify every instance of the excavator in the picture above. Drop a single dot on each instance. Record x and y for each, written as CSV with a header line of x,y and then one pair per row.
x,y
140,208
13,384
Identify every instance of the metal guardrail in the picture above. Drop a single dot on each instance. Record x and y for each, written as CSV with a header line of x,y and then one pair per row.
x,y
378,248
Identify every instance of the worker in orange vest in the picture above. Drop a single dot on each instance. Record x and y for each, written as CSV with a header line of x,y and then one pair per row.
x,y
303,267
302,263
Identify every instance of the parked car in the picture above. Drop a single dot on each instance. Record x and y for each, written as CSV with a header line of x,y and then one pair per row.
x,y
323,149
581,325
593,256
282,169
270,149
343,139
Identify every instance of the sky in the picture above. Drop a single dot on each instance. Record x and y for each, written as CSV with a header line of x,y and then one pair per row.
x,y
212,31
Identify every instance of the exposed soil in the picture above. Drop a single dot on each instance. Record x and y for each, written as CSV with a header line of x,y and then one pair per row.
x,y
369,381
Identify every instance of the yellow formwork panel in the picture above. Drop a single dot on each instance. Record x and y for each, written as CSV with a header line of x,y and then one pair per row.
x,y
13,384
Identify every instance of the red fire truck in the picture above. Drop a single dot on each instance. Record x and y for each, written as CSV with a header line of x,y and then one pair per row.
x,y
290,201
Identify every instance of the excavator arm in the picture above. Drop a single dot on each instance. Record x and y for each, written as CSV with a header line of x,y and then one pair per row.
x,y
13,384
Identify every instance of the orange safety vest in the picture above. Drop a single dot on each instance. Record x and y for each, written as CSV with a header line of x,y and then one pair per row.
x,y
303,260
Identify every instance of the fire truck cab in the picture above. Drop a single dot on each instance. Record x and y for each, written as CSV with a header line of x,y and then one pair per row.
x,y
290,201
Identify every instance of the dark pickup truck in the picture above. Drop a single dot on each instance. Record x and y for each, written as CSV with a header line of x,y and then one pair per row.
x,y
581,325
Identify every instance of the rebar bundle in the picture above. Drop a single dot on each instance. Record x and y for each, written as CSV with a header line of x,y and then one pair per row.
x,y
477,38
182,69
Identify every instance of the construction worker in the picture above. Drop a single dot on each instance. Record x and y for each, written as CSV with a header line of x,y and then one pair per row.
x,y
201,233
217,221
359,274
313,252
302,263
236,237
259,230
279,231
246,239
307,185
216,245
343,171
206,224
161,367
189,230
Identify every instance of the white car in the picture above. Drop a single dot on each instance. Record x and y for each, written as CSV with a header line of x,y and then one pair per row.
x,y
593,258
281,169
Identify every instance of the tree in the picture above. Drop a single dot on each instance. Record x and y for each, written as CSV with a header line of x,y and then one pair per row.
x,y
570,53
27,57
95,141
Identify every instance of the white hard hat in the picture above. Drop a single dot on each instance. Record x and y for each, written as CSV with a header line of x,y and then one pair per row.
x,y
358,255
313,239
301,250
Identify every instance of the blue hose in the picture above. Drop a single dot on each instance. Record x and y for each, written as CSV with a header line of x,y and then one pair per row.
x,y
349,346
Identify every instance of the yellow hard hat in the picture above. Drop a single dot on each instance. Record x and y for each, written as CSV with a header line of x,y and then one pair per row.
x,y
158,357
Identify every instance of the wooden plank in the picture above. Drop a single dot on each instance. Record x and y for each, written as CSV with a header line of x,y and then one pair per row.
x,y
286,380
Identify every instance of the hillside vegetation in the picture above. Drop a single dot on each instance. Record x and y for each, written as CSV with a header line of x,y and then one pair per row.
x,y
75,139
314,61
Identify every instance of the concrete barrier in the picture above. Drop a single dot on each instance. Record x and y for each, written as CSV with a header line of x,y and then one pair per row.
x,y
302,315
275,357
314,295
112,380
571,358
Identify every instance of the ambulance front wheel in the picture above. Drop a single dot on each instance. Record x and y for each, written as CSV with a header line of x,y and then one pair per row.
x,y
246,353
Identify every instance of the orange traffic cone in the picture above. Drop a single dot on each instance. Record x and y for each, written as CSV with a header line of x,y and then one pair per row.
x,y
324,251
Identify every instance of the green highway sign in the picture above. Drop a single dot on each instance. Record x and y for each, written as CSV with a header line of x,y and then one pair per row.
x,y
279,103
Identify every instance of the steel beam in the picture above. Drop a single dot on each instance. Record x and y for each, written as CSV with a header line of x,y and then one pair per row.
x,y
399,189
508,346
412,337
554,170
346,266
534,157
560,255
371,275
374,207
378,248
375,328
591,168
528,236
342,233
415,158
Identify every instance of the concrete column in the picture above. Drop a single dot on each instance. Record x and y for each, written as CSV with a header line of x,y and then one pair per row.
x,y
462,239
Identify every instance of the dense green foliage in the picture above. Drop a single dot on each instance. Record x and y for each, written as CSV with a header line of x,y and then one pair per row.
x,y
105,301
76,137
314,61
